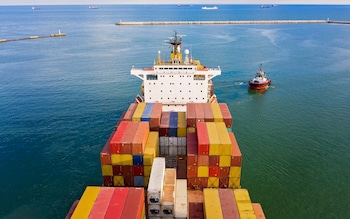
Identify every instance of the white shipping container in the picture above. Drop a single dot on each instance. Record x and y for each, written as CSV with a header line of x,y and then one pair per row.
x,y
172,150
156,181
181,141
181,199
154,210
163,141
173,141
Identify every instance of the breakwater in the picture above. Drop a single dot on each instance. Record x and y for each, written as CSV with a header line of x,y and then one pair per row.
x,y
33,37
243,22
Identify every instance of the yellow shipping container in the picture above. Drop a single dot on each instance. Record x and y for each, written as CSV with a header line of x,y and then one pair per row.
x,y
217,112
235,171
118,180
148,156
247,216
147,170
145,181
225,161
214,140
234,182
225,141
191,129
86,202
127,159
138,112
107,170
153,142
213,182
212,205
203,171
116,159
242,195
181,124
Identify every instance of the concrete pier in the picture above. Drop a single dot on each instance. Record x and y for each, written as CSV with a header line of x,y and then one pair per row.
x,y
134,23
33,37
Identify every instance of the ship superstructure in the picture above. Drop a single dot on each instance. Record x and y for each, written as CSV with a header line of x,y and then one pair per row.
x,y
177,81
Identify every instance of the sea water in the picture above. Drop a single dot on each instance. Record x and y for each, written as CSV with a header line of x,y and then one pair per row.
x,y
60,99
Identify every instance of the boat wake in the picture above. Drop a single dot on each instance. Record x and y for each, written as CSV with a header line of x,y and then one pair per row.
x,y
239,83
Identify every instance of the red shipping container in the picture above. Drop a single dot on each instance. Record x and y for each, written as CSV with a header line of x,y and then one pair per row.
x,y
224,171
192,182
156,114
181,169
134,204
236,156
202,138
117,170
191,115
228,204
203,160
107,181
226,114
208,112
195,210
138,170
117,203
214,160
214,171
199,112
164,124
191,171
140,138
128,137
129,181
130,112
192,149
101,203
128,170
203,182
105,155
224,182
116,140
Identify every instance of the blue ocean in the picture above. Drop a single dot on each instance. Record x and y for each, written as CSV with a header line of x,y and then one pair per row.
x,y
61,97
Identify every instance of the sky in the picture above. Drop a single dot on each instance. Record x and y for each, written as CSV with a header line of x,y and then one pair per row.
x,y
201,2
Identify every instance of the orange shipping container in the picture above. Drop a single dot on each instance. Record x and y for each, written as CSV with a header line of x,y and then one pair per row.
x,y
128,137
259,213
199,112
130,112
236,156
156,114
105,155
226,114
140,139
202,138
208,112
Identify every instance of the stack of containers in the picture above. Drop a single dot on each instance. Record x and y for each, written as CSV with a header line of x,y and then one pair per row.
x,y
172,132
166,195
107,202
151,151
246,208
228,203
195,204
213,157
126,147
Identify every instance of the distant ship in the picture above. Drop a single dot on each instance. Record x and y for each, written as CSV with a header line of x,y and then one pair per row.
x,y
210,8
93,7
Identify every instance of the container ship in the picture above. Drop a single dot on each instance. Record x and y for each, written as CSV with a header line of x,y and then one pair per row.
x,y
173,153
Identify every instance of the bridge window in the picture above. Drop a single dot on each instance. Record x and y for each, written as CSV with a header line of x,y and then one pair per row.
x,y
152,77
199,77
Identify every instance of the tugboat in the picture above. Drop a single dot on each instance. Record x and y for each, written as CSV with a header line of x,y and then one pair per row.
x,y
260,81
